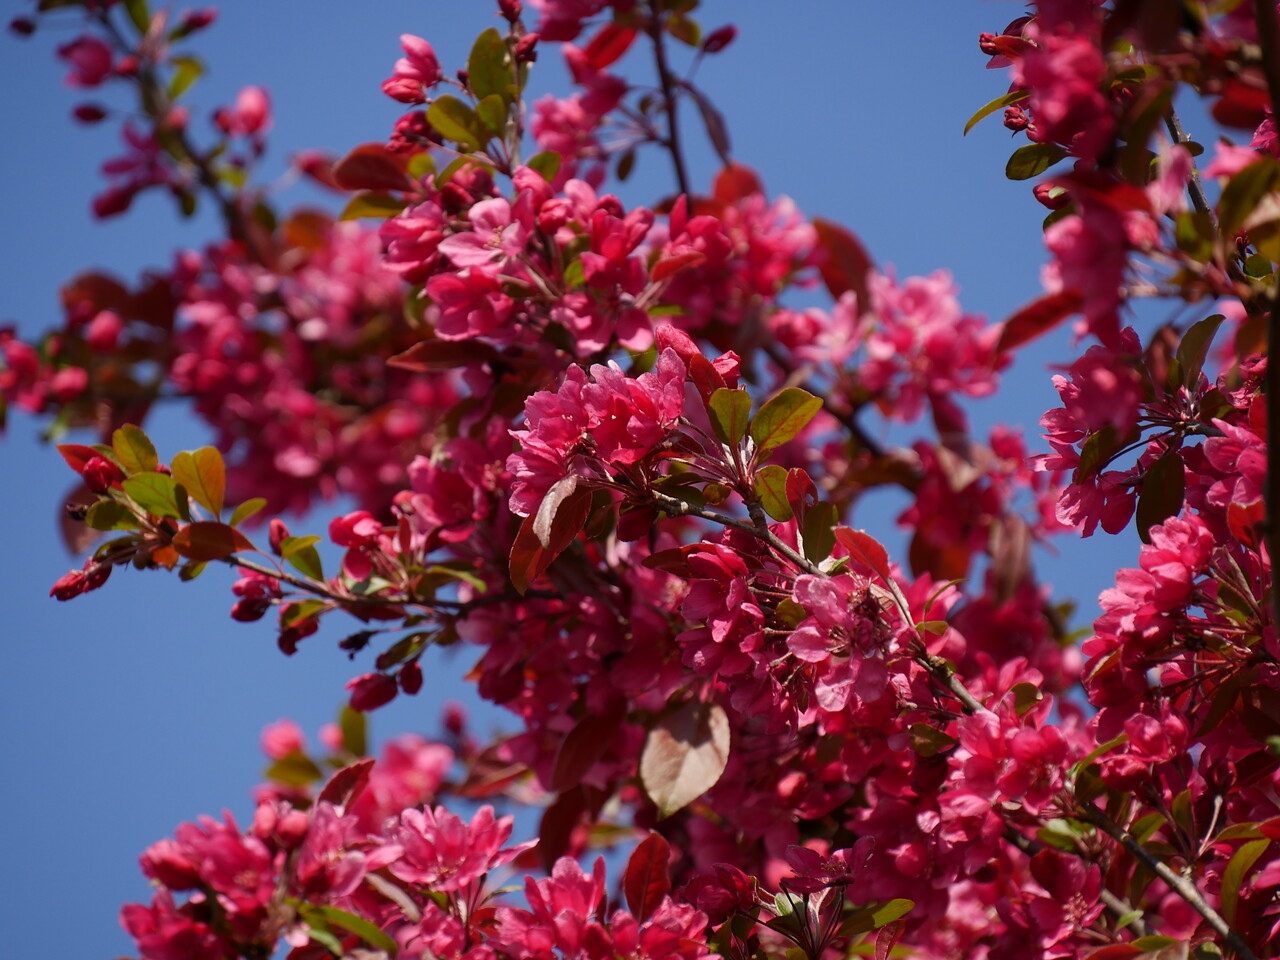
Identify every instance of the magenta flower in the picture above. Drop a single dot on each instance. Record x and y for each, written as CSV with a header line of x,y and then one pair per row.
x,y
417,70
586,424
436,849
89,59
498,233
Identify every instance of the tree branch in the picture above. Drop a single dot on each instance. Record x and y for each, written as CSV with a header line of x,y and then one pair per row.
x,y
1176,882
672,143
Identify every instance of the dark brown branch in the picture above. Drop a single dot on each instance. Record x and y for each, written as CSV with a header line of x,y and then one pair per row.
x,y
672,141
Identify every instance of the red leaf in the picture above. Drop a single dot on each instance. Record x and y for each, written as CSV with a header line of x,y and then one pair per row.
x,y
669,267
371,167
557,825
736,182
801,492
609,45
646,881
1036,318
529,558
345,785
77,455
206,540
705,376
442,355
1116,951
886,937
583,746
865,549
845,262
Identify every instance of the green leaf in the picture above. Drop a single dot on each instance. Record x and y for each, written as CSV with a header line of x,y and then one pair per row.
x,y
138,14
1192,350
730,412
246,510
452,167
204,475
372,204
134,450
189,571
326,939
1243,191
110,515
186,71
1008,100
362,928
929,741
771,488
1154,942
783,417
457,122
818,531
1161,496
355,731
546,163
890,911
1127,918
492,111
306,561
296,769
420,164
1233,877
489,71
157,494
291,545
1033,160
1096,452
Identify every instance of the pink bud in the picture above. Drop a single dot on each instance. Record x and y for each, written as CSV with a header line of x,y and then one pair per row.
x,y
194,20
89,113
371,691
89,59
292,828
987,44
103,333
69,585
511,9
411,678
68,383
100,474
526,48
717,40
277,534
455,718
282,738
22,26
331,737
1015,118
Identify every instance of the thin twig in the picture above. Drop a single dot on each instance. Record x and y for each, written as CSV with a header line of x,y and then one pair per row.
x,y
1194,187
1178,883
672,142
1117,905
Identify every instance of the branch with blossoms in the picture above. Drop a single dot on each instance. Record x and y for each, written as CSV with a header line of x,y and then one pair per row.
x,y
596,444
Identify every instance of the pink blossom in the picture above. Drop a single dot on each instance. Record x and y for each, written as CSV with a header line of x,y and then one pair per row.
x,y
609,418
282,738
437,849
250,116
416,71
498,233
89,59
1064,74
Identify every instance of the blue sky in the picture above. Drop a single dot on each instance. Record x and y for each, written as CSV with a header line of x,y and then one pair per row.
x,y
137,707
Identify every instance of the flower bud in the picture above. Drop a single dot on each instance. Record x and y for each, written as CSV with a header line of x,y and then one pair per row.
x,y
89,113
1015,118
1051,195
510,9
526,48
717,40
277,534
371,691
411,678
987,44
100,474
22,26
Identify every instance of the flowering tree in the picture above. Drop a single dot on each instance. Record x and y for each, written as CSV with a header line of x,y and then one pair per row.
x,y
604,447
